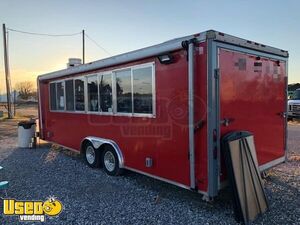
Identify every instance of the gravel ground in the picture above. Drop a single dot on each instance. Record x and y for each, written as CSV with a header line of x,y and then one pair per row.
x,y
90,196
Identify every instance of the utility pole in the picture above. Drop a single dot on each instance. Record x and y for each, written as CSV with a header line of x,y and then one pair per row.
x,y
7,75
83,48
15,100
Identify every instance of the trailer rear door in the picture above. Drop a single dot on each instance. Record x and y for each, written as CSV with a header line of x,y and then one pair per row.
x,y
252,98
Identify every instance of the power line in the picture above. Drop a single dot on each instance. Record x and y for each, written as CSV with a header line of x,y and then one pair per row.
x,y
42,34
60,35
97,44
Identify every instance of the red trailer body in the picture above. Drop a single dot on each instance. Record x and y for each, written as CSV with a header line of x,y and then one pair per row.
x,y
199,88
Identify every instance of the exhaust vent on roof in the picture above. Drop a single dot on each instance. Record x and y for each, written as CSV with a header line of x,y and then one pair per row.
x,y
73,62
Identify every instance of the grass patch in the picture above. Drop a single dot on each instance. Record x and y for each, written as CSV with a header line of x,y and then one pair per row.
x,y
16,118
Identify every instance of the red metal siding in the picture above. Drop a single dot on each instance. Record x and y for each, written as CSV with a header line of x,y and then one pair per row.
x,y
254,97
164,138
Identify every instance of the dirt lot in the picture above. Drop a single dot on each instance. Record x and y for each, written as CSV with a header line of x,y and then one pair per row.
x,y
23,110
90,196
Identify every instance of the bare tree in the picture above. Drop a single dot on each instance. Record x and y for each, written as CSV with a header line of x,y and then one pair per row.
x,y
25,89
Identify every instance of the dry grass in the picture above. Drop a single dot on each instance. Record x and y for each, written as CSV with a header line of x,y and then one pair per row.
x,y
60,149
51,156
295,158
16,118
24,111
294,122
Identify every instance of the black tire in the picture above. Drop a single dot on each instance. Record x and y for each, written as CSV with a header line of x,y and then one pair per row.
x,y
110,156
92,156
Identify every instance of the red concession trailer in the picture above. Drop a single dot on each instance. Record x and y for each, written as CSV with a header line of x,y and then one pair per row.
x,y
161,111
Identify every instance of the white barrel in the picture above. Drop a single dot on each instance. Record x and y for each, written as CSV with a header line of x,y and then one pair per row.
x,y
26,131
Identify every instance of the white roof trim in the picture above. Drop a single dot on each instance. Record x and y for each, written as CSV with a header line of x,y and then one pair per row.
x,y
158,49
167,46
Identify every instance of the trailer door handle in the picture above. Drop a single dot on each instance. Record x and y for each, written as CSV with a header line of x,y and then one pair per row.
x,y
198,125
226,121
282,114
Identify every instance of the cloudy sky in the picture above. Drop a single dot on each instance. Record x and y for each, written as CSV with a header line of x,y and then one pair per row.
x,y
121,26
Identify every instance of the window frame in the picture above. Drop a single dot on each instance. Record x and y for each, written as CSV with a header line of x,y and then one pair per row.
x,y
86,97
64,81
115,92
153,89
83,78
133,114
49,102
112,74
112,87
56,110
73,81
57,102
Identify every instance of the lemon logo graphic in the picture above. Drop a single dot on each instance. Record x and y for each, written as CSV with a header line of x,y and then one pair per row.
x,y
52,207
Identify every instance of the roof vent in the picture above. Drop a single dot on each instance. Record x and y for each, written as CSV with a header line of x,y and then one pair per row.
x,y
73,62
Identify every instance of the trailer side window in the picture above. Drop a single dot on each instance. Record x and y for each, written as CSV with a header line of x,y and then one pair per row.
x,y
105,87
93,94
124,92
53,96
142,90
60,93
79,95
70,95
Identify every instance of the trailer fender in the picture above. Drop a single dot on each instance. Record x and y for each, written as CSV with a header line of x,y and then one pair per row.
x,y
98,142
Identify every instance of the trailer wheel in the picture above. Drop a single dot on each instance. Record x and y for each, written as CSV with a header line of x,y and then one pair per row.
x,y
92,156
110,161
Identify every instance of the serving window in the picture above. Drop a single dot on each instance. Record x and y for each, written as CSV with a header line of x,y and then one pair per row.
x,y
92,90
142,90
79,94
106,92
60,95
53,96
128,91
70,95
123,91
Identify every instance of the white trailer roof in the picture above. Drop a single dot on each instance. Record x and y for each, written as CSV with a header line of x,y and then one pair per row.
x,y
158,49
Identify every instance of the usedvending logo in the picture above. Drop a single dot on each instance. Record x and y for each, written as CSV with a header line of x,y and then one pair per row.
x,y
32,210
